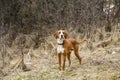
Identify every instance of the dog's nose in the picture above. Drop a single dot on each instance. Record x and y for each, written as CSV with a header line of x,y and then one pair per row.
x,y
62,36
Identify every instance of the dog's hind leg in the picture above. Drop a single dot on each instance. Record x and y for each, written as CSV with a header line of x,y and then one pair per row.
x,y
77,54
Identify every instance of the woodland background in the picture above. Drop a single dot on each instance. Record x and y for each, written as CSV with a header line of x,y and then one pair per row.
x,y
27,28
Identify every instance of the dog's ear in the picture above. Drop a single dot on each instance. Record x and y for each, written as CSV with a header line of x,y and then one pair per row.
x,y
66,35
56,34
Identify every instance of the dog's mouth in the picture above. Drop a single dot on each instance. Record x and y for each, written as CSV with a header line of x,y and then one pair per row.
x,y
62,38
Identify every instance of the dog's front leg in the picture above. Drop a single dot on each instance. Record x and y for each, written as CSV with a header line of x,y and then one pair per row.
x,y
59,61
64,60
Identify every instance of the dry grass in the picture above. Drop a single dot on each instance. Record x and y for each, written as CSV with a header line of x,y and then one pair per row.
x,y
103,63
98,65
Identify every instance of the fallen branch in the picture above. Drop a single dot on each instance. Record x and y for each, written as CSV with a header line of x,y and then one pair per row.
x,y
17,64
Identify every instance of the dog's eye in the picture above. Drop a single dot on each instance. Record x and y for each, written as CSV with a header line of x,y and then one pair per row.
x,y
59,32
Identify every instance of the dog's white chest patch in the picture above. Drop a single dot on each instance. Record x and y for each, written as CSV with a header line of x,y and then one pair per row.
x,y
60,49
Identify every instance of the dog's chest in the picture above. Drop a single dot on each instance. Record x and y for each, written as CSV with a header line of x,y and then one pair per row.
x,y
60,49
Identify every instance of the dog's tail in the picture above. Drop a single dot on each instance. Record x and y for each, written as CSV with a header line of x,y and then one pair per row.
x,y
82,41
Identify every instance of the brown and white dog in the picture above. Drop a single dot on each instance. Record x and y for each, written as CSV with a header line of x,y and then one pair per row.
x,y
65,46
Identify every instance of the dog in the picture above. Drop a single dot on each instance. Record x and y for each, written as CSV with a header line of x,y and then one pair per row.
x,y
65,46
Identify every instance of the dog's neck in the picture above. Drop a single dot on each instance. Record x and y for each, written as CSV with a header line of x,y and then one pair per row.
x,y
60,48
60,41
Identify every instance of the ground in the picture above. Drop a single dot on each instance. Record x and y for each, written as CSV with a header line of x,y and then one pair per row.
x,y
99,64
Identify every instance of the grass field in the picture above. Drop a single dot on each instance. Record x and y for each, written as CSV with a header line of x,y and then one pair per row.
x,y
99,64
100,60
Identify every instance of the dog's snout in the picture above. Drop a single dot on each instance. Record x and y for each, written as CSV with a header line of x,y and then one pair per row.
x,y
62,36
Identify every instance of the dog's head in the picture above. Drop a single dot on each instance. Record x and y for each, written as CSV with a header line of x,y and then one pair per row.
x,y
60,34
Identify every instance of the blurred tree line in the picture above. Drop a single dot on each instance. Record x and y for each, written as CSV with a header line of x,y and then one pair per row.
x,y
25,16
